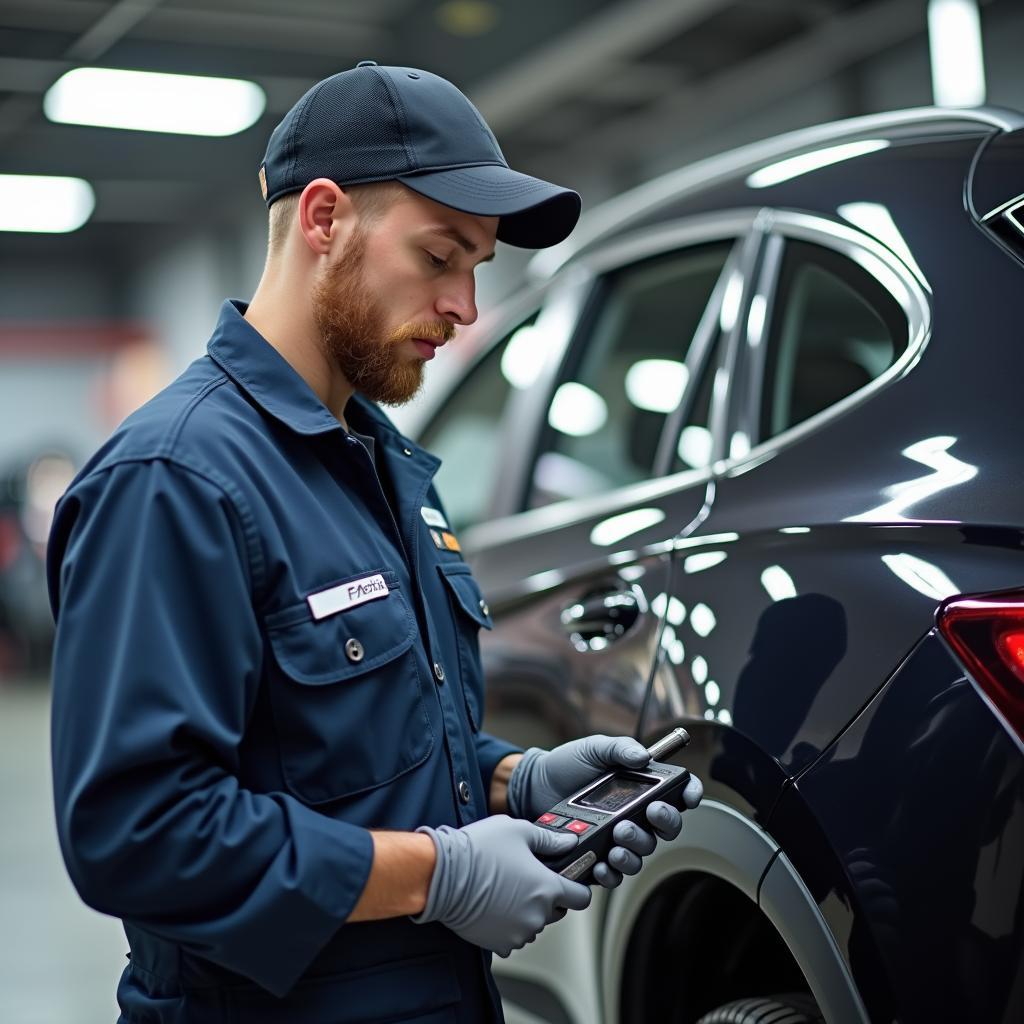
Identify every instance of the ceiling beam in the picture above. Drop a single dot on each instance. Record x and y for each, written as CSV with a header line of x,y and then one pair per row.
x,y
702,110
117,22
569,63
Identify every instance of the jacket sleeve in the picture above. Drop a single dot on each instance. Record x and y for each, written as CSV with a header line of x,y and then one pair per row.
x,y
157,663
489,751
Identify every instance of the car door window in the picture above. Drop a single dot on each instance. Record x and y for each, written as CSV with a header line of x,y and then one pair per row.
x,y
605,419
465,434
834,329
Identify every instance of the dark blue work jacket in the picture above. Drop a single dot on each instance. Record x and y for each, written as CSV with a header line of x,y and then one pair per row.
x,y
266,645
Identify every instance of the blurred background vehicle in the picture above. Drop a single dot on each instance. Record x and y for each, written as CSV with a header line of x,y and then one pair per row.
x,y
743,461
28,494
122,232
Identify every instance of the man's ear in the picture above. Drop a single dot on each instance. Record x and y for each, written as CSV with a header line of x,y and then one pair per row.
x,y
326,216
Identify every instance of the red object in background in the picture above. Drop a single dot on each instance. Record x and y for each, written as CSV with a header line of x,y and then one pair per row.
x,y
35,340
10,541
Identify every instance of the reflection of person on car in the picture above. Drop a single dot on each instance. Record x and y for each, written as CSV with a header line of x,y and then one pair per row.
x,y
797,645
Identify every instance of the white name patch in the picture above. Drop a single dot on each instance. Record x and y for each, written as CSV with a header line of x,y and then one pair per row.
x,y
433,518
347,595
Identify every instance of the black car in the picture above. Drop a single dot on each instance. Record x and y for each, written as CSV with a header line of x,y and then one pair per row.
x,y
745,458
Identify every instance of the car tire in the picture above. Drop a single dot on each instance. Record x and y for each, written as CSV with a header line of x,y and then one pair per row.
x,y
791,1008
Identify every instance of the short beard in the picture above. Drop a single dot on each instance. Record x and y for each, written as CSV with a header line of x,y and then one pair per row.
x,y
354,335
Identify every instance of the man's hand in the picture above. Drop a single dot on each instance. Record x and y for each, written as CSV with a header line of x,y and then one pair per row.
x,y
543,778
490,888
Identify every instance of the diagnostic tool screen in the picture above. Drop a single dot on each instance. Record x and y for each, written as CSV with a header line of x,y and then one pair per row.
x,y
613,794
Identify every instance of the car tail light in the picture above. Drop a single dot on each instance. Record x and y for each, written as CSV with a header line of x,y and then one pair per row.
x,y
987,633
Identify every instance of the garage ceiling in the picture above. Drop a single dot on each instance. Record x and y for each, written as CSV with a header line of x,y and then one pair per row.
x,y
559,81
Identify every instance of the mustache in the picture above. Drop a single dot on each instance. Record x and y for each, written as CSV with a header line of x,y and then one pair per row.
x,y
435,330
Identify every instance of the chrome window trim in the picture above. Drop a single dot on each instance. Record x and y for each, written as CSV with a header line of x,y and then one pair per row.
x,y
914,302
1015,215
818,230
1008,207
745,413
725,374
704,228
700,229
706,173
705,337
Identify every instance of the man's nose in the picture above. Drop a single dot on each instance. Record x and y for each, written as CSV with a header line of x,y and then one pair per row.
x,y
458,303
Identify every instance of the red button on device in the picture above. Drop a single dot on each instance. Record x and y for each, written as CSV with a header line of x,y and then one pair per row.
x,y
547,819
579,827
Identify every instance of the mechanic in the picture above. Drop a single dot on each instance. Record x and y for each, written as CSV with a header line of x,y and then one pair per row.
x,y
267,755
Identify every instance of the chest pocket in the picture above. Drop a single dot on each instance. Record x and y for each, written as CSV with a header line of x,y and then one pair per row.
x,y
470,612
346,696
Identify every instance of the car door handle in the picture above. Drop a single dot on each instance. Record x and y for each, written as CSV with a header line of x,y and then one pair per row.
x,y
600,618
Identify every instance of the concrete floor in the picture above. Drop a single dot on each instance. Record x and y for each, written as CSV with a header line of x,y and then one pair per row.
x,y
59,960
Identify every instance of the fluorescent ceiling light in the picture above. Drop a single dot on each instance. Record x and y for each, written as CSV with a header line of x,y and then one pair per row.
x,y
794,166
958,68
147,101
31,202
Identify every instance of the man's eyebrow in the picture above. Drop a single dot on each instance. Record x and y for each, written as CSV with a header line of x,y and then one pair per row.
x,y
463,242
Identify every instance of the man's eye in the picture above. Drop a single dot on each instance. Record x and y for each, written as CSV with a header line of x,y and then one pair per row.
x,y
435,261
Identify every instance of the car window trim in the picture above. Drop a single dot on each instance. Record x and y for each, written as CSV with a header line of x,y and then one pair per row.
x,y
748,368
703,229
705,346
911,294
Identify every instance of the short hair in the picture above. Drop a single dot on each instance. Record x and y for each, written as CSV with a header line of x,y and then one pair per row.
x,y
371,202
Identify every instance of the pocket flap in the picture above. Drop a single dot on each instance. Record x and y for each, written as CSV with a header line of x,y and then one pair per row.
x,y
467,593
345,644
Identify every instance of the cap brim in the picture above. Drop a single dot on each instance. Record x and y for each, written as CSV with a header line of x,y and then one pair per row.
x,y
534,213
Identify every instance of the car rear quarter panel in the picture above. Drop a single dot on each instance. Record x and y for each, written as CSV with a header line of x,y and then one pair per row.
x,y
922,804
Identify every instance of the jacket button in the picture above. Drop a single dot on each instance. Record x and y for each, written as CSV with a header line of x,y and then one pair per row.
x,y
407,451
354,650
464,791
484,608
438,672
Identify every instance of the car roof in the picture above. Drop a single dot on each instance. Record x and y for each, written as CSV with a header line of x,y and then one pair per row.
x,y
624,211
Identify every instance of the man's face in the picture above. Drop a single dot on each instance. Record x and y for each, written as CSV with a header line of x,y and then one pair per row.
x,y
398,291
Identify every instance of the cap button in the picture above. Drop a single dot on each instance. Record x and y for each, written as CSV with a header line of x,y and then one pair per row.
x,y
367,64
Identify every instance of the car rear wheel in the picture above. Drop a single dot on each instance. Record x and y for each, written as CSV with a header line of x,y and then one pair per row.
x,y
791,1008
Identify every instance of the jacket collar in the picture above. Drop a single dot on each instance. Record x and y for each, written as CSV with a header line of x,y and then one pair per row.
x,y
264,374
274,385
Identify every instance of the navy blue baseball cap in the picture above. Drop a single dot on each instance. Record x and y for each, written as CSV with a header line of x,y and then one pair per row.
x,y
377,123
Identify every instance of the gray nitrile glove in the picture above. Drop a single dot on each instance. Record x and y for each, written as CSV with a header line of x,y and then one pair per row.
x,y
544,777
490,888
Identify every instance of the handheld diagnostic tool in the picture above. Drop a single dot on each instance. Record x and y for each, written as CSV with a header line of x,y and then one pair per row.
x,y
621,795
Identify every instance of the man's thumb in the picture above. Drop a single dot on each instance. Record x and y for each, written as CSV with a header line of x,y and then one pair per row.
x,y
546,843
